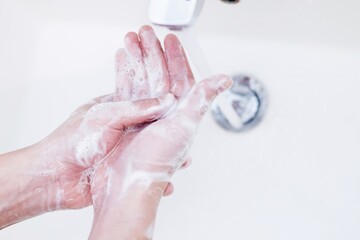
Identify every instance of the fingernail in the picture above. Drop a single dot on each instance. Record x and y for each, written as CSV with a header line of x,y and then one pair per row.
x,y
146,28
225,82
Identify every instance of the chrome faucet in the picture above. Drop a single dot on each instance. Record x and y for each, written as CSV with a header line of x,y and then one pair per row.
x,y
177,14
174,14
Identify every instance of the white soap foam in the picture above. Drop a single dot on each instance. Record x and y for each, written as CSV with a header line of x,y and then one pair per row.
x,y
89,147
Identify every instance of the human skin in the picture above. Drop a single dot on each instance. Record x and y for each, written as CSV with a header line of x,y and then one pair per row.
x,y
57,172
54,174
137,173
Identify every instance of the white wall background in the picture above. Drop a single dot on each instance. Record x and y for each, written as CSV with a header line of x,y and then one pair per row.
x,y
296,176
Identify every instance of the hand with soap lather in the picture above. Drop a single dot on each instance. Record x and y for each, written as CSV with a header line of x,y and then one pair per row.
x,y
128,185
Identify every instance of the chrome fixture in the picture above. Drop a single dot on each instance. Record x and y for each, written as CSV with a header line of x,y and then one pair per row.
x,y
174,14
241,107
230,1
177,14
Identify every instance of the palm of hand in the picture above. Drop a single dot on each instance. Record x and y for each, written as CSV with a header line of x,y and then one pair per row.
x,y
89,135
92,132
80,142
162,146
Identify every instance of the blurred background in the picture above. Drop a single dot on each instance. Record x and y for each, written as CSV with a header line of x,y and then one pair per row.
x,y
295,176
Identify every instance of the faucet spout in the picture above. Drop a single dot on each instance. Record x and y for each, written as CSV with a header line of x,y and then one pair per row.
x,y
175,15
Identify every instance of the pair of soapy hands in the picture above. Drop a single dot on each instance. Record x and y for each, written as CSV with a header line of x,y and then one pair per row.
x,y
145,128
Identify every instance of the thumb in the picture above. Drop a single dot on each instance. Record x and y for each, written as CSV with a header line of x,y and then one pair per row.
x,y
123,114
198,100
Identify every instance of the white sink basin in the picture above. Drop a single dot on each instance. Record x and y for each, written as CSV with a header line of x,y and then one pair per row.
x,y
295,176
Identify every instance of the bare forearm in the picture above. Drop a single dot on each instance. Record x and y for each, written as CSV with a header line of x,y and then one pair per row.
x,y
27,186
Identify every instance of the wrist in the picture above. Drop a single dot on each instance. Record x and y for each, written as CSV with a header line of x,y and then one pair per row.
x,y
68,182
31,186
134,209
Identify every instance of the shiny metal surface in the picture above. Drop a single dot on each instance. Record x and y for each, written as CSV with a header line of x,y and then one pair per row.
x,y
241,107
230,1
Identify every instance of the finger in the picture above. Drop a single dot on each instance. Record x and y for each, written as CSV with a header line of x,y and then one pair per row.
x,y
123,79
101,99
197,102
104,98
120,115
169,189
132,46
155,63
136,69
187,163
181,76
